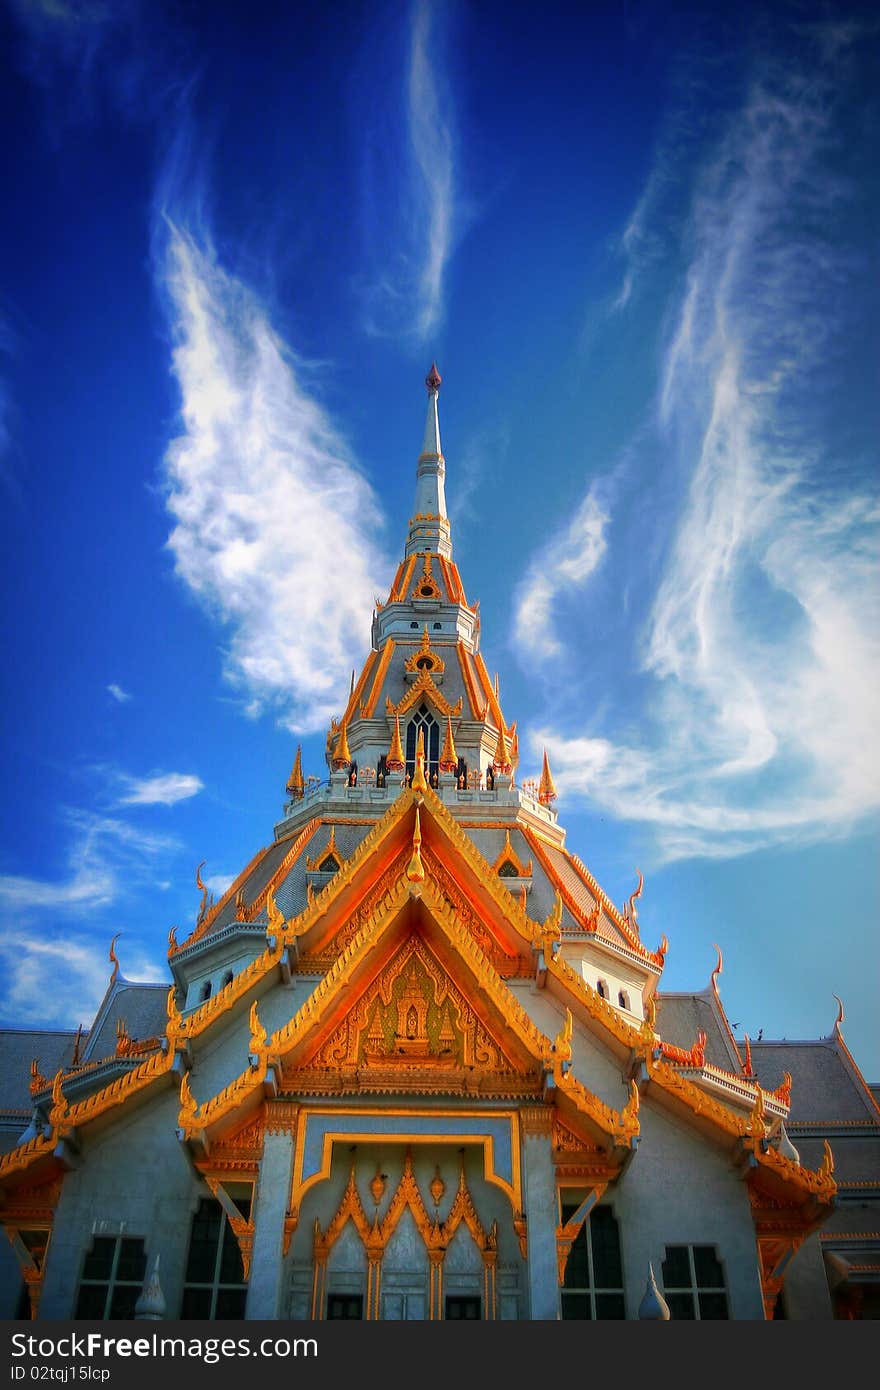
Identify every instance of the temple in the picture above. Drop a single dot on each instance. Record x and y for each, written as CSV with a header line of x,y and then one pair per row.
x,y
416,1064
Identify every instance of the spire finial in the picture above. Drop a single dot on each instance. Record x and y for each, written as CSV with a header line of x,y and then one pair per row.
x,y
395,761
295,783
546,786
429,524
448,757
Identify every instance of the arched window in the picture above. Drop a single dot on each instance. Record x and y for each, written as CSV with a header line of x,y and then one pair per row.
x,y
227,979
602,989
623,999
206,991
425,721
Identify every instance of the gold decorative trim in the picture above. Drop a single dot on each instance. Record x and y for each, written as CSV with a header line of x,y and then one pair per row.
x,y
378,679
423,688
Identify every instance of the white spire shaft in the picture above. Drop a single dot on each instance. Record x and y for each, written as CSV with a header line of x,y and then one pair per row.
x,y
429,527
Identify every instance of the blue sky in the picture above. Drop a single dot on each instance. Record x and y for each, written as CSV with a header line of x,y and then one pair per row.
x,y
641,242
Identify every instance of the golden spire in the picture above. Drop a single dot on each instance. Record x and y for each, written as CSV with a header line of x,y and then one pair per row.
x,y
395,761
295,784
501,759
419,781
449,757
546,786
341,756
415,870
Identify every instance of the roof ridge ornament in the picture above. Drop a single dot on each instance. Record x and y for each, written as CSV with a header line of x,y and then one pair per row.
x,y
114,959
839,1020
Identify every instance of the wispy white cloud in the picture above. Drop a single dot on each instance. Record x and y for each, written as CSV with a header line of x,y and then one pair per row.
x,y
162,789
273,522
103,855
761,651
411,191
120,695
217,884
78,970
564,565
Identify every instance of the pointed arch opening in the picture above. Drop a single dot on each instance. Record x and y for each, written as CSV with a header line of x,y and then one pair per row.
x,y
425,721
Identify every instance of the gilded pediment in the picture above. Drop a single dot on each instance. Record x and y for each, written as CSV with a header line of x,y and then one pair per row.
x,y
413,1015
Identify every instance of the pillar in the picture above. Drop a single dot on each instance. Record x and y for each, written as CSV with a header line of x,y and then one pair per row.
x,y
541,1209
273,1193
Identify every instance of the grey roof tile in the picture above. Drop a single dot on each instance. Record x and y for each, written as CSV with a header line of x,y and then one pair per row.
x,y
823,1088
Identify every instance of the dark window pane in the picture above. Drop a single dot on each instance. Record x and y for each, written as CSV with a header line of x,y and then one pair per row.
x,y
713,1305
345,1306
458,1307
99,1260
707,1268
577,1270
196,1303
125,1296
681,1306
610,1306
91,1301
203,1242
132,1262
576,1305
230,1303
605,1235
676,1268
231,1269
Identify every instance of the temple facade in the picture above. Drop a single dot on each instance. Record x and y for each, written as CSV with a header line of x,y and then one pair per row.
x,y
416,1064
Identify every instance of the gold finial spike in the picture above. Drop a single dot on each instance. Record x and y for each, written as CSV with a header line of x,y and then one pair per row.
x,y
341,757
501,760
826,1167
546,786
415,870
449,757
295,782
114,959
395,761
419,781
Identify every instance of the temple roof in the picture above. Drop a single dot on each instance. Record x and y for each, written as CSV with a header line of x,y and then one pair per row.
x,y
680,1017
825,1088
18,1047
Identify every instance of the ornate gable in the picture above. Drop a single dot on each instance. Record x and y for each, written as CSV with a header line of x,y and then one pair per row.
x,y
413,1023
